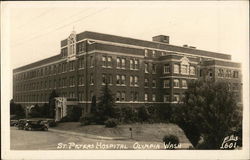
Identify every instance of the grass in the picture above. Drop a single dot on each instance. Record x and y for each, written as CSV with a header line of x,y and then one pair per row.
x,y
141,132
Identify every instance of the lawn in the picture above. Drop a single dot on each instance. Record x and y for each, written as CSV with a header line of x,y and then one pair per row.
x,y
141,132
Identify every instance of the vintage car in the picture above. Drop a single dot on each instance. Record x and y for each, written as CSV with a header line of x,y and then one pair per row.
x,y
50,122
32,125
21,123
13,122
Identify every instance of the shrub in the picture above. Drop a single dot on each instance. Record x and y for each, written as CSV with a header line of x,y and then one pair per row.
x,y
65,119
86,120
143,114
52,123
74,113
171,141
128,115
111,123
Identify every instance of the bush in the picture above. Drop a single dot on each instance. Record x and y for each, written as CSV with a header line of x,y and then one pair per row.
x,y
86,120
52,124
171,141
143,114
111,123
65,119
74,113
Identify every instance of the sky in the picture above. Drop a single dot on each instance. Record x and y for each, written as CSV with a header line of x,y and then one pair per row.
x,y
36,29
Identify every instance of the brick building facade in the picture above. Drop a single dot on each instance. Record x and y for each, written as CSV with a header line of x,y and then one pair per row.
x,y
137,71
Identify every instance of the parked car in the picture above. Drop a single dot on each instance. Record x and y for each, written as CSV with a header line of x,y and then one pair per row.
x,y
21,123
13,122
50,122
32,125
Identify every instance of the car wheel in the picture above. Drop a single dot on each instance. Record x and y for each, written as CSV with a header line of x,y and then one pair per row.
x,y
30,129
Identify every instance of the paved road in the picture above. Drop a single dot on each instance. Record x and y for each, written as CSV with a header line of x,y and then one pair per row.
x,y
42,140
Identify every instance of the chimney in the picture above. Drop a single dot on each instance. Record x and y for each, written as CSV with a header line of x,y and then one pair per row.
x,y
161,38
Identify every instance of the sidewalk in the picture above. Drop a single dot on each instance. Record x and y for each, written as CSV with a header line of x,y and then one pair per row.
x,y
88,135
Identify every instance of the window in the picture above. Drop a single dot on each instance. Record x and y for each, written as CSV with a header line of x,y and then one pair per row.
x,y
71,66
64,81
91,95
210,73
103,78
71,81
80,96
146,97
176,83
176,98
166,98
110,79
146,67
134,96
118,79
54,83
91,61
154,83
104,61
136,64
154,54
136,81
123,63
176,68
166,68
81,63
131,80
201,72
80,47
131,66
118,96
184,83
146,82
109,62
153,97
153,68
59,83
146,53
184,69
91,79
235,74
166,83
228,73
123,96
118,62
192,70
123,80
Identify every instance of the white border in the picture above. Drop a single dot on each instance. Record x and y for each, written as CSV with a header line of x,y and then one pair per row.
x,y
6,77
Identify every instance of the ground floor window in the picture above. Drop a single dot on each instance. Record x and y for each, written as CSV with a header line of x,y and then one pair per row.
x,y
176,98
166,98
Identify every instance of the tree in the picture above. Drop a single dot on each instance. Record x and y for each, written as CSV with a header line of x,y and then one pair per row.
x,y
17,109
143,114
105,109
35,111
52,104
44,110
12,107
93,104
73,113
209,110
